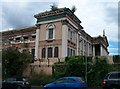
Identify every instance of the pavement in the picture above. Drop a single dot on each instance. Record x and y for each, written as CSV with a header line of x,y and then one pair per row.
x,y
39,87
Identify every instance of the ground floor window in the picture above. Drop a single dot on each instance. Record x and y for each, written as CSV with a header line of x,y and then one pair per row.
x,y
56,52
49,52
70,52
43,52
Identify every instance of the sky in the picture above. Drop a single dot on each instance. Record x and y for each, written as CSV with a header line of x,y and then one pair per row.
x,y
95,15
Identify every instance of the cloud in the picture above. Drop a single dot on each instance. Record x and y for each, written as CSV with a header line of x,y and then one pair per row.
x,y
95,15
17,15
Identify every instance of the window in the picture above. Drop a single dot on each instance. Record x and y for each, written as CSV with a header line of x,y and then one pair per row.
x,y
10,79
56,52
71,80
18,38
49,52
73,52
43,52
33,36
68,51
33,52
61,81
50,32
114,76
25,38
71,35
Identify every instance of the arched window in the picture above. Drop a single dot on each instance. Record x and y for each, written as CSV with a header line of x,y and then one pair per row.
x,y
43,52
56,50
49,52
50,34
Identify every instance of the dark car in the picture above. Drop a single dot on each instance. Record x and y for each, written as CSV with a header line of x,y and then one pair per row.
x,y
67,83
16,83
111,81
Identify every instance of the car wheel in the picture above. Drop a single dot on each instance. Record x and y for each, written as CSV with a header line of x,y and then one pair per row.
x,y
19,87
113,87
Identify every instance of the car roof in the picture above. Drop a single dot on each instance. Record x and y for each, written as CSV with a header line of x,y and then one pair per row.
x,y
71,77
114,72
16,77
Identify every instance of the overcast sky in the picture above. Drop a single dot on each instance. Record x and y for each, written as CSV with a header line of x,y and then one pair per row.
x,y
96,15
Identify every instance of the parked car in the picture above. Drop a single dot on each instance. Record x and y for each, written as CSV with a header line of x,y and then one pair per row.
x,y
67,83
16,83
111,81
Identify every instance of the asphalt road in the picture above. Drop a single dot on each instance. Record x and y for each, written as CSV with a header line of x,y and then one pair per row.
x,y
38,87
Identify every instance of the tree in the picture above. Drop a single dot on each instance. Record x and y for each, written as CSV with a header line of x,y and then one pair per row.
x,y
98,71
14,62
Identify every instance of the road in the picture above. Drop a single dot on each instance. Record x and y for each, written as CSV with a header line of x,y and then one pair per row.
x,y
38,87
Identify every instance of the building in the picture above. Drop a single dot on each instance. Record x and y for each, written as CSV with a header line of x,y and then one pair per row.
x,y
56,35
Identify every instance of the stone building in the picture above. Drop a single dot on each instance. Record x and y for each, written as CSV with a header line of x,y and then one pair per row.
x,y
59,34
56,35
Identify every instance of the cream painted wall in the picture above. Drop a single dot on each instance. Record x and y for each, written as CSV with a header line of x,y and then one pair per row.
x,y
56,42
58,31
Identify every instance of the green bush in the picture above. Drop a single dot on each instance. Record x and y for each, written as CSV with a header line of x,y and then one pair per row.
x,y
14,62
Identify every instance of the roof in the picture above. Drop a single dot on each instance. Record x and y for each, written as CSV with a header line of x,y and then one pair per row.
x,y
20,30
100,38
55,14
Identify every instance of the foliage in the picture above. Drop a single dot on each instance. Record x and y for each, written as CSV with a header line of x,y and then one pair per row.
x,y
99,70
116,58
14,62
40,79
75,66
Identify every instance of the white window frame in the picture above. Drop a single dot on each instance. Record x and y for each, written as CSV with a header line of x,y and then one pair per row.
x,y
50,26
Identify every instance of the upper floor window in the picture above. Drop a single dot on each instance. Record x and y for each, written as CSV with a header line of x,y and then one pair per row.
x,y
50,33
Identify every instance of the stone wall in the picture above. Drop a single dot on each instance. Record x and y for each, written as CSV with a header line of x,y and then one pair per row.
x,y
43,67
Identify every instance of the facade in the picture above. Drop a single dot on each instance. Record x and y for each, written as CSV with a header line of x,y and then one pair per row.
x,y
22,39
56,35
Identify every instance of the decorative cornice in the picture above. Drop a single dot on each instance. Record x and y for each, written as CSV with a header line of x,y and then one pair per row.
x,y
57,14
64,22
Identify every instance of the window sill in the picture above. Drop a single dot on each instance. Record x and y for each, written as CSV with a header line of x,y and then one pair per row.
x,y
50,39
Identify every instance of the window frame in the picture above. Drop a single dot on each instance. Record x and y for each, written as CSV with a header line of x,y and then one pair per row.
x,y
48,36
